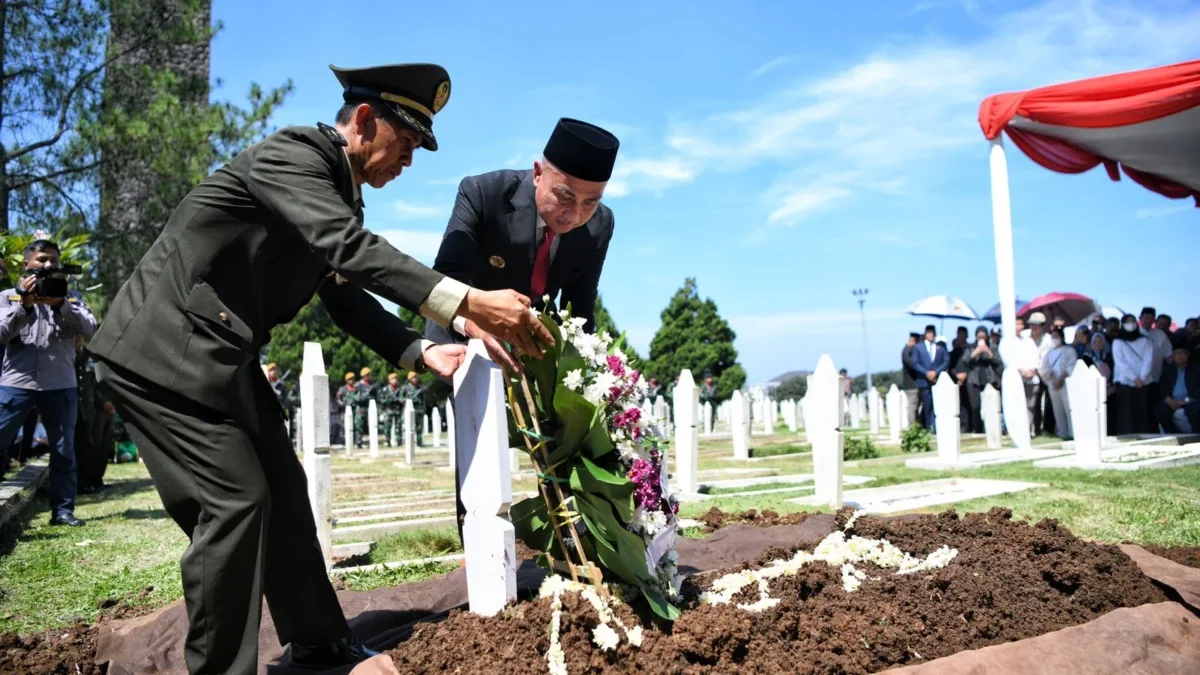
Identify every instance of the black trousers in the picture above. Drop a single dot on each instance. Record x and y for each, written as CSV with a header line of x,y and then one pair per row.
x,y
1131,414
94,448
928,419
974,408
242,499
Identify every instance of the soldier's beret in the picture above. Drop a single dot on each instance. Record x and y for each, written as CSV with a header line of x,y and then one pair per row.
x,y
415,92
364,372
270,366
349,376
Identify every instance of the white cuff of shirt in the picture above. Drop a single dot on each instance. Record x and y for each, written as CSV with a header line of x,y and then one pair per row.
x,y
444,300
408,359
460,326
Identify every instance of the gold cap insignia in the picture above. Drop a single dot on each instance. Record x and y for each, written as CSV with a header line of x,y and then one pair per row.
x,y
442,95
496,262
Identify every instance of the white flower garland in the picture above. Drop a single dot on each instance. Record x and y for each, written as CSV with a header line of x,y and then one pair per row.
x,y
603,634
835,550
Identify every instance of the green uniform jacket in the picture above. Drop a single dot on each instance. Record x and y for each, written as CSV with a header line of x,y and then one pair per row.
x,y
243,253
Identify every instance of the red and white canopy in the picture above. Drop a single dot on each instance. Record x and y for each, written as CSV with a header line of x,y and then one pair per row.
x,y
1147,122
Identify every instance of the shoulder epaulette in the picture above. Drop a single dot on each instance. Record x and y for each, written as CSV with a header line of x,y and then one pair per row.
x,y
332,134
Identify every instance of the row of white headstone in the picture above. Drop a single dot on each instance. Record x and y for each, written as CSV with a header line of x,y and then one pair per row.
x,y
433,426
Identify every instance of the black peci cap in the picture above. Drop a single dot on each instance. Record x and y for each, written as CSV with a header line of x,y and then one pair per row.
x,y
415,92
582,150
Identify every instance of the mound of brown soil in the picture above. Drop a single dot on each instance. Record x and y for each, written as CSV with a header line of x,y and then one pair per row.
x,y
714,519
64,651
1009,581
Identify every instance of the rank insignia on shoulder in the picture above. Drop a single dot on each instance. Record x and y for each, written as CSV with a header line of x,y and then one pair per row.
x,y
332,134
496,262
14,298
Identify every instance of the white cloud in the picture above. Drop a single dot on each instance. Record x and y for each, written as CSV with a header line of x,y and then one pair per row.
x,y
420,244
770,65
650,175
909,107
409,211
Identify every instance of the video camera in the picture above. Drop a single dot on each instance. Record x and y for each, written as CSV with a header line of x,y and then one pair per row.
x,y
52,281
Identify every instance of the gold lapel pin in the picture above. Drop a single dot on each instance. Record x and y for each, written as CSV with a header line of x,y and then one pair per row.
x,y
496,262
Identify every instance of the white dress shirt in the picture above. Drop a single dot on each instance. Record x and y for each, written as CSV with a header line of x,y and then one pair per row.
x,y
1059,362
1132,360
1162,350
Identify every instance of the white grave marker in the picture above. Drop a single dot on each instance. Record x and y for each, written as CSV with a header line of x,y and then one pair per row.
x,y
824,419
855,413
708,419
895,399
1085,389
314,401
768,418
990,411
485,485
687,404
741,429
1012,396
437,427
450,433
946,410
373,428
873,405
348,430
410,433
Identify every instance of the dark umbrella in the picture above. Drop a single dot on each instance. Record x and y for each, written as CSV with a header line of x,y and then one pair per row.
x,y
1071,307
993,314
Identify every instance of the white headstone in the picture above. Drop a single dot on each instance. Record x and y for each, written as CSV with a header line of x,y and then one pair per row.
x,y
873,405
855,413
686,398
803,413
1085,388
348,429
768,417
863,409
660,409
990,412
314,401
1012,396
437,427
489,541
946,408
905,422
789,415
708,419
824,420
373,427
895,399
741,430
410,433
450,433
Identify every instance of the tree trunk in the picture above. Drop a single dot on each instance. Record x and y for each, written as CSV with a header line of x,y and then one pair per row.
x,y
135,200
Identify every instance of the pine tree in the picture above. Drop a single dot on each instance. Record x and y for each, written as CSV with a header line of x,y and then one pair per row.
x,y
694,336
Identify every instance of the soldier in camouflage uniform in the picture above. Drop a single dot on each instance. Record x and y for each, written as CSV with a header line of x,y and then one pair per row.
x,y
341,399
391,409
412,389
364,391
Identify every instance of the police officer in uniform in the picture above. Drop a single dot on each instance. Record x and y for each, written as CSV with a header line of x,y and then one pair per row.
x,y
541,231
392,406
177,352
364,391
413,391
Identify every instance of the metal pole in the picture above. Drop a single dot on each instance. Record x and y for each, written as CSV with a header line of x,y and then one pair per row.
x,y
861,294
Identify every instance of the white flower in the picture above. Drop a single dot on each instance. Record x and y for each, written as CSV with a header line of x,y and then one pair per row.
x,y
574,380
605,637
635,636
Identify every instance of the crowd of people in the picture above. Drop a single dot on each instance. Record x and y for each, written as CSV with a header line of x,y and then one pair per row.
x,y
1152,371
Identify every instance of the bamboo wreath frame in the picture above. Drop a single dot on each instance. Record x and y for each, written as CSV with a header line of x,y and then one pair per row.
x,y
562,516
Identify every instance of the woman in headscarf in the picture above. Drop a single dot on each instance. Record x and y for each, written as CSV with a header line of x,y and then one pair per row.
x,y
1057,365
981,363
1133,354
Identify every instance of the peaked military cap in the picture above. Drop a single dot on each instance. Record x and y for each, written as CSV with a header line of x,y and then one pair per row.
x,y
415,92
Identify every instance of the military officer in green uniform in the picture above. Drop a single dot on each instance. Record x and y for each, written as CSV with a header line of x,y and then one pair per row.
x,y
412,391
392,409
364,391
243,252
341,399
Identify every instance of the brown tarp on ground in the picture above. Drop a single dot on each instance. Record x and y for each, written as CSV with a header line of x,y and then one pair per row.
x,y
1148,639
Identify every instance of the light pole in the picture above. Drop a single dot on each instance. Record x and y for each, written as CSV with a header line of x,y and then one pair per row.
x,y
861,294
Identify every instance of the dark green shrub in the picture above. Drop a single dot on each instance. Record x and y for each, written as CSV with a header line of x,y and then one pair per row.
x,y
859,447
916,439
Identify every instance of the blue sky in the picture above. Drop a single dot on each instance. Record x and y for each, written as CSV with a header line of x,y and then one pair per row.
x,y
783,153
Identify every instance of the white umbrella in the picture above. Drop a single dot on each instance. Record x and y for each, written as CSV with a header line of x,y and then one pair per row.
x,y
943,307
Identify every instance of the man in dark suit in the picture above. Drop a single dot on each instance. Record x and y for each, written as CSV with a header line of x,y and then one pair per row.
x,y
178,355
542,232
1179,411
930,359
909,375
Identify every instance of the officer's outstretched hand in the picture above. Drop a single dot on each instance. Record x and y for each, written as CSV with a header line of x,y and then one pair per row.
x,y
506,315
445,359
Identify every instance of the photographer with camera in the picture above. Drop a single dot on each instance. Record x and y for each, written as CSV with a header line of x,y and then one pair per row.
x,y
39,321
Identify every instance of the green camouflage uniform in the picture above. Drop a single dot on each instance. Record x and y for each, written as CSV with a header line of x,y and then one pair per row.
x,y
341,399
364,391
408,391
392,409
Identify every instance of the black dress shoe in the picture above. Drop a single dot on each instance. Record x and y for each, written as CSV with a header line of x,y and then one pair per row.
x,y
343,652
66,519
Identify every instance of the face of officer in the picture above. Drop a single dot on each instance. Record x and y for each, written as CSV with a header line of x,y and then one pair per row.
x,y
379,147
564,202
39,259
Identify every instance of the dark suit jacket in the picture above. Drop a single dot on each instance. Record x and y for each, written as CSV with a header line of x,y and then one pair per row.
x,y
923,364
908,373
243,253
1170,373
489,243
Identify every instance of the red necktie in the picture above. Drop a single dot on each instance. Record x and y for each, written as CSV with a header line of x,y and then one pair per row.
x,y
541,267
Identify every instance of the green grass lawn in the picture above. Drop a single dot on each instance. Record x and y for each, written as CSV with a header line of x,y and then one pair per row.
x,y
51,576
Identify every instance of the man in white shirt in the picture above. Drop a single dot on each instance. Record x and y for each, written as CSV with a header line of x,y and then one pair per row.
x,y
1162,353
1034,347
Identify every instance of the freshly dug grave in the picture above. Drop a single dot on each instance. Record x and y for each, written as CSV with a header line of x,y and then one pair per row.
x,y
1184,555
714,519
1010,580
